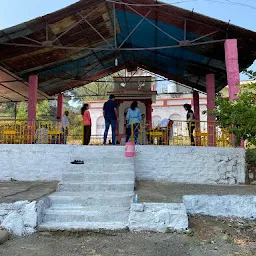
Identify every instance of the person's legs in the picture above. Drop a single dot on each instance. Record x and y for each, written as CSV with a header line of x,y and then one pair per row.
x,y
113,127
107,123
84,139
65,136
89,133
128,133
191,128
192,136
136,132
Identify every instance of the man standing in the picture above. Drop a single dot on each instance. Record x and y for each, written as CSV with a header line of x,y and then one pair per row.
x,y
65,126
110,115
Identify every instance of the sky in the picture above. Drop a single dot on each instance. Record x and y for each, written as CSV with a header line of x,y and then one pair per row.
x,y
239,12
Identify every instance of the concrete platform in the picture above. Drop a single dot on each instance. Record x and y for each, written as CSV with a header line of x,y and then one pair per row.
x,y
159,192
13,191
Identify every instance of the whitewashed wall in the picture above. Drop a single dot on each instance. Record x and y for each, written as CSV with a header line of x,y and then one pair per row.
x,y
203,165
197,165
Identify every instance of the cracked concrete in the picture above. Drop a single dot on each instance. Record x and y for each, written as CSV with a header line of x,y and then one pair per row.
x,y
12,191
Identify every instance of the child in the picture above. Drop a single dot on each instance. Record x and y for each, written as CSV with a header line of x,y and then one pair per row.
x,y
87,123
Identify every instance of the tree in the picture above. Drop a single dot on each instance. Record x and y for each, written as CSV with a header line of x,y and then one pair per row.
x,y
96,90
239,116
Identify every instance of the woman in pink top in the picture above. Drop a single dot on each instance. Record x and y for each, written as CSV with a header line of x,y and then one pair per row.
x,y
87,123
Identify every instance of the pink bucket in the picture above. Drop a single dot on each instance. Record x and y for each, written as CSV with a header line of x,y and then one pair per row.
x,y
129,149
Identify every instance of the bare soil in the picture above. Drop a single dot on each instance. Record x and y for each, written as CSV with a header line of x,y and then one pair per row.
x,y
208,236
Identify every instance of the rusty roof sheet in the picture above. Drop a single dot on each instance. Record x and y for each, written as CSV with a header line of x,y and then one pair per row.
x,y
55,46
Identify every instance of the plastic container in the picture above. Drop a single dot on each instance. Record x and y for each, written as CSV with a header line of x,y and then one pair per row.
x,y
129,149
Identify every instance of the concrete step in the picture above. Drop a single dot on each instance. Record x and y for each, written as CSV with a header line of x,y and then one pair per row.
x,y
79,177
104,199
97,186
100,167
82,226
85,214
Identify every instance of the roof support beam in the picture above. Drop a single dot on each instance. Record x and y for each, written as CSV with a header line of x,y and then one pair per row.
x,y
201,37
134,29
173,38
185,29
13,91
101,36
112,49
77,23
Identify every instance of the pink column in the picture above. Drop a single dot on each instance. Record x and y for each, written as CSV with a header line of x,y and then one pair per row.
x,y
211,121
32,97
149,113
232,66
233,74
197,116
32,100
60,104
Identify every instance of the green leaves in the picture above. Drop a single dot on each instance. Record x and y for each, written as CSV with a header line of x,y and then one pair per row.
x,y
239,116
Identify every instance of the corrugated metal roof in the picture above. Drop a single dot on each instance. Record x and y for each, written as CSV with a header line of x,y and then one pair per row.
x,y
61,68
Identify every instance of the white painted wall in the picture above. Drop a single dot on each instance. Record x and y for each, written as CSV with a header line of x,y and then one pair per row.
x,y
197,165
225,206
174,112
203,165
158,217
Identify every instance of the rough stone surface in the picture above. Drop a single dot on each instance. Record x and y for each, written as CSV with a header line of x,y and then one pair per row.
x,y
251,175
201,165
14,224
4,235
158,217
226,206
198,165
20,218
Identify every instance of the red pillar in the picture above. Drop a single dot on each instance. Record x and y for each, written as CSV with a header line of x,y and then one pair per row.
x,y
233,74
32,97
60,105
197,115
211,121
232,66
149,113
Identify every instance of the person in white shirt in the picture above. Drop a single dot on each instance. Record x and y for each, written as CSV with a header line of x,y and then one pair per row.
x,y
65,126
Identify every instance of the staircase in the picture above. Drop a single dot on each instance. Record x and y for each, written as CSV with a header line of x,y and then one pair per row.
x,y
95,195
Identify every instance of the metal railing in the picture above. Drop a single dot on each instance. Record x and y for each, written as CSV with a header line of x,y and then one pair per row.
x,y
176,133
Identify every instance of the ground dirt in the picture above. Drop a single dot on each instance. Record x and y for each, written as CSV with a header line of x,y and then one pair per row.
x,y
208,236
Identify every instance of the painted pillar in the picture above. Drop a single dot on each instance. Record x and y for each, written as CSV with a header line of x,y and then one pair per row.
x,y
60,105
149,113
197,116
32,97
233,74
211,121
232,66
32,100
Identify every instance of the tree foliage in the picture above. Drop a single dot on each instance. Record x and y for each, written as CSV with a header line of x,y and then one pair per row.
x,y
239,116
96,90
93,91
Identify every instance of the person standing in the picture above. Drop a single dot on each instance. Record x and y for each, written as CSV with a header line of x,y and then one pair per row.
x,y
191,122
110,114
87,123
65,127
134,118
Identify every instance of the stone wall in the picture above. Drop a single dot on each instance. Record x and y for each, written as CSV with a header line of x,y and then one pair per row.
x,y
224,206
201,165
22,217
158,217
